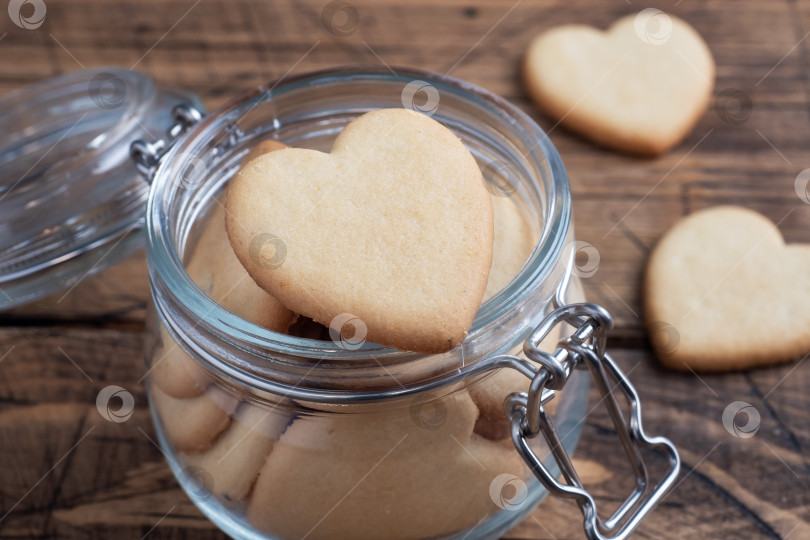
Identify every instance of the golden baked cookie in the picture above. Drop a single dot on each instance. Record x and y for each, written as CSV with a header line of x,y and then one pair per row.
x,y
638,87
261,148
380,475
513,242
220,275
216,270
192,424
723,292
393,227
232,464
174,371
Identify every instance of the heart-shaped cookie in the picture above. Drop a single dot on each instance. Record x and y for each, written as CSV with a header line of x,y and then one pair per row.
x,y
639,87
724,292
390,234
371,475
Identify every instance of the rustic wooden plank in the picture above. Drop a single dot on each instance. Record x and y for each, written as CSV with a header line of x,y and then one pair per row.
x,y
114,298
98,34
115,483
68,472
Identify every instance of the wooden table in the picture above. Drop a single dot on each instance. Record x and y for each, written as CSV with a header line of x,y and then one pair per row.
x,y
66,472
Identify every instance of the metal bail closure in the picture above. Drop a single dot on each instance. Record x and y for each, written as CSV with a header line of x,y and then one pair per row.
x,y
585,348
147,155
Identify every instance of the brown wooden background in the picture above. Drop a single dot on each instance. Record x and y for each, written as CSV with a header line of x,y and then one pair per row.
x,y
66,472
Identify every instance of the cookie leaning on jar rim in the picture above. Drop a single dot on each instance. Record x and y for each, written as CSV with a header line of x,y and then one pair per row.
x,y
253,457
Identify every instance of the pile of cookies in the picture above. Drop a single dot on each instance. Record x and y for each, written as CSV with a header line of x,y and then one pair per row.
x,y
395,227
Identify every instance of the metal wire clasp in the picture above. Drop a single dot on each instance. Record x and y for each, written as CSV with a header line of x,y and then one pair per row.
x,y
147,155
585,348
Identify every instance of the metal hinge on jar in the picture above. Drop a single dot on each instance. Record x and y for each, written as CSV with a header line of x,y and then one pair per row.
x,y
147,155
585,349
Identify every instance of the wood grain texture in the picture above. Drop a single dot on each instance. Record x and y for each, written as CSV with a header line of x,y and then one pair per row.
x,y
68,473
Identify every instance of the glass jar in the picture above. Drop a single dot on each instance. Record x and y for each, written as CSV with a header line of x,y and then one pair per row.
x,y
277,436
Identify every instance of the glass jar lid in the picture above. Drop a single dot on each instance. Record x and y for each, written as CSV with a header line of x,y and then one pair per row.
x,y
72,202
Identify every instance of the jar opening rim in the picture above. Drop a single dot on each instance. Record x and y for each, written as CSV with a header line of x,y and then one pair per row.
x,y
166,266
